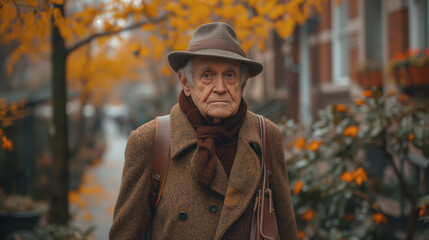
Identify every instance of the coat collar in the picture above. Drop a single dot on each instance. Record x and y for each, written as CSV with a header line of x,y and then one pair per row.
x,y
184,136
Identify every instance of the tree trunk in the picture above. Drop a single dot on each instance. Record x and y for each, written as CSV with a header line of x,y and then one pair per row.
x,y
59,212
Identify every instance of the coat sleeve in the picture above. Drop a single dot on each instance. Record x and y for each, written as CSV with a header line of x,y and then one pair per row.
x,y
280,185
132,215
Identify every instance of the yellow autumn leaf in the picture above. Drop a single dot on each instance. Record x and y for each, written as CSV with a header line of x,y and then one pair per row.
x,y
7,13
58,17
59,2
29,19
43,24
264,7
66,32
285,27
276,12
79,29
148,27
32,3
151,10
144,52
166,71
261,45
134,47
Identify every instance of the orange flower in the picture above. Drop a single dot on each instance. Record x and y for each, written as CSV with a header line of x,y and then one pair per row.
x,y
378,218
392,93
300,143
314,145
308,215
359,102
359,175
341,108
347,177
301,234
351,131
422,211
6,143
403,98
411,136
413,51
367,93
297,187
87,216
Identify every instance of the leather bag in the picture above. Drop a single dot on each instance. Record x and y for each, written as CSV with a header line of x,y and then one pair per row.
x,y
264,223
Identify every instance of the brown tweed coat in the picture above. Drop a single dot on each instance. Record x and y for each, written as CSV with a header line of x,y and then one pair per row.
x,y
187,209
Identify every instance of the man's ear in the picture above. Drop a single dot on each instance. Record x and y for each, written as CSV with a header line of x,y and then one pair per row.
x,y
185,83
243,85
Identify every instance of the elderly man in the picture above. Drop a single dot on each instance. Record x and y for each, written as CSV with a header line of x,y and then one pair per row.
x,y
214,167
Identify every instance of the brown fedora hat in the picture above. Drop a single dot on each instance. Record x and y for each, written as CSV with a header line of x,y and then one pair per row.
x,y
217,40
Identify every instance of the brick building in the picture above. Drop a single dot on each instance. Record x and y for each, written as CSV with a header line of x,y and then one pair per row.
x,y
319,64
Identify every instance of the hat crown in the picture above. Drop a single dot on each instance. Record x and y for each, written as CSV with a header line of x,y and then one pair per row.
x,y
214,40
216,30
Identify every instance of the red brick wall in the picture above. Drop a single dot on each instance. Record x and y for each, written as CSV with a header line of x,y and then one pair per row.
x,y
325,17
353,9
325,62
353,63
398,32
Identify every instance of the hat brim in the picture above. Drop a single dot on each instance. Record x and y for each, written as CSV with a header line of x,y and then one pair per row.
x,y
178,59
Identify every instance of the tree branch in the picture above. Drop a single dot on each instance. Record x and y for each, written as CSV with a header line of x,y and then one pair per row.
x,y
109,33
412,216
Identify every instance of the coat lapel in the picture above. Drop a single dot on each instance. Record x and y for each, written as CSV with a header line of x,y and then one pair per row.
x,y
182,134
244,178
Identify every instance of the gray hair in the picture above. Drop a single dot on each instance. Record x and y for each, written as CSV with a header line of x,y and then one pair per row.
x,y
188,70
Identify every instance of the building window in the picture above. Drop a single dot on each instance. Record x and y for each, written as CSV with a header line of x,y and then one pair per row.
x,y
340,43
418,23
373,31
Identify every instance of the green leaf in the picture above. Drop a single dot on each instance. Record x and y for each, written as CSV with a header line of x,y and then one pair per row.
x,y
423,200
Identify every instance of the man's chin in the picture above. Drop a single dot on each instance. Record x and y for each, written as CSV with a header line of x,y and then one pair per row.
x,y
218,116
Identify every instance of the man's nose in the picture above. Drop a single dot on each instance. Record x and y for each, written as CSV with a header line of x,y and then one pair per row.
x,y
219,85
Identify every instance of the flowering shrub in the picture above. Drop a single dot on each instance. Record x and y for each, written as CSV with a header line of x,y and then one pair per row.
x,y
334,190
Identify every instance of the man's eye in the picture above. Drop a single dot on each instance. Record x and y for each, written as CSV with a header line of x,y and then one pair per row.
x,y
230,76
207,75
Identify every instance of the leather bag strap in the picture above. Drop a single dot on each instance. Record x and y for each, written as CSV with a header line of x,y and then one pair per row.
x,y
161,155
266,156
264,224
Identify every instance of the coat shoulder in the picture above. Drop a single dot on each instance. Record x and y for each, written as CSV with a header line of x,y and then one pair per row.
x,y
141,140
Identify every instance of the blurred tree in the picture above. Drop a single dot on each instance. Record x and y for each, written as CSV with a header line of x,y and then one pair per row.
x,y
65,27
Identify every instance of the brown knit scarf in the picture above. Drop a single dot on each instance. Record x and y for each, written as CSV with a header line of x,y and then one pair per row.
x,y
213,139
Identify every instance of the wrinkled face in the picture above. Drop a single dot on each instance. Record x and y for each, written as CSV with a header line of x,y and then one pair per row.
x,y
216,88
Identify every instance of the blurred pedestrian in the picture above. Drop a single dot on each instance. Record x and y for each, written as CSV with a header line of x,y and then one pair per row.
x,y
214,167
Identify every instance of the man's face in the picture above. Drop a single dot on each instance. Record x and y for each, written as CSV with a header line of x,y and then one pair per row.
x,y
217,88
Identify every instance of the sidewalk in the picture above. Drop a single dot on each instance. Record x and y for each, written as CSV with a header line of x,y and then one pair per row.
x,y
92,205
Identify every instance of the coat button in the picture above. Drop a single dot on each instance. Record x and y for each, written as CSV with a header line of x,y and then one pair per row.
x,y
213,208
183,216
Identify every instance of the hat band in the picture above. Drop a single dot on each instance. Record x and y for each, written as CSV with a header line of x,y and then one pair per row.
x,y
217,44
